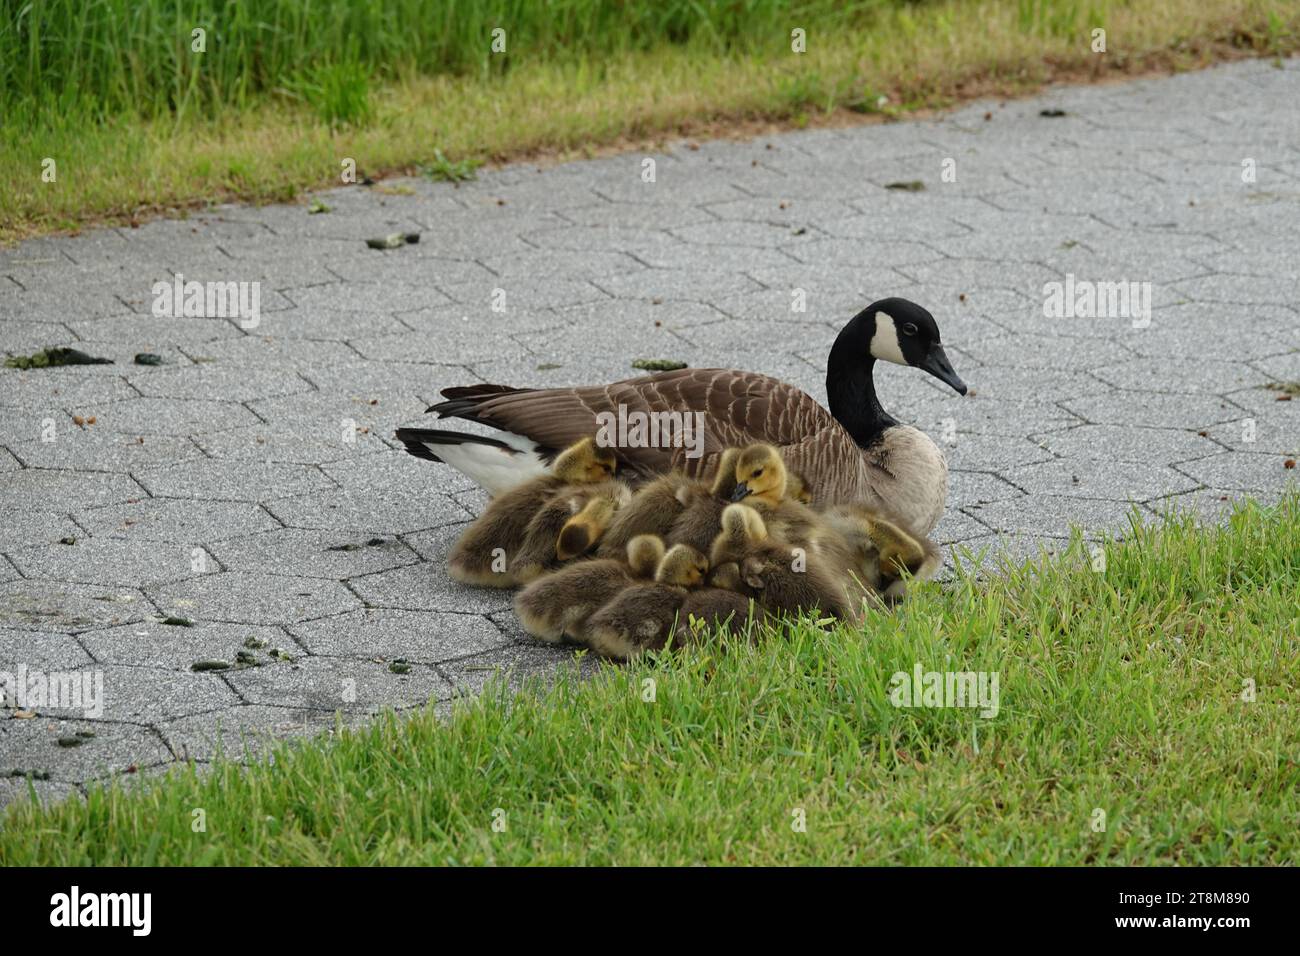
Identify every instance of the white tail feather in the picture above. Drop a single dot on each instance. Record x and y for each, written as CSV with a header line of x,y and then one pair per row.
x,y
493,469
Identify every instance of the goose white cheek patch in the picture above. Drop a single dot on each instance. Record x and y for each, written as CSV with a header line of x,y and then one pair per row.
x,y
884,343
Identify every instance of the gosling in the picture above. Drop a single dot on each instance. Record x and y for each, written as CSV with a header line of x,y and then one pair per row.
x,y
482,555
557,605
782,578
642,617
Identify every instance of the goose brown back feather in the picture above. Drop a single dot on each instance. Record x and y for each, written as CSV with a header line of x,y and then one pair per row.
x,y
740,408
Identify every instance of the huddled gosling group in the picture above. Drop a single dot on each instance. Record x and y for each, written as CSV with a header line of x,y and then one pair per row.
x,y
624,570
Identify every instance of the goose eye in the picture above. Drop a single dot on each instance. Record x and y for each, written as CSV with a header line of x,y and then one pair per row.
x,y
758,472
909,328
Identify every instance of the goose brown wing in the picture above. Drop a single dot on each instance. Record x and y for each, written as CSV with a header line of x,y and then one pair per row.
x,y
739,408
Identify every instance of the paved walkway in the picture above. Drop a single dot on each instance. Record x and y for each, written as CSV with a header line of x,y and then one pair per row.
x,y
251,483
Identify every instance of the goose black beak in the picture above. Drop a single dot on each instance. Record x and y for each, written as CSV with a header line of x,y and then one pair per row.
x,y
740,492
937,364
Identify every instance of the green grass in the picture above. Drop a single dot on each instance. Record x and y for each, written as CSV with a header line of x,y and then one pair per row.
x,y
1121,690
136,122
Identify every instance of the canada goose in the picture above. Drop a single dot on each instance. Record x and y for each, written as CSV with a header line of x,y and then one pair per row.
x,y
856,452
883,549
641,617
773,573
483,555
559,604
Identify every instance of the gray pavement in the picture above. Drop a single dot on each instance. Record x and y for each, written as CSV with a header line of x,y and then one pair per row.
x,y
251,485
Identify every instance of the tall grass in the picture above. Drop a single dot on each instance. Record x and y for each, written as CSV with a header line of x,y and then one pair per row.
x,y
137,56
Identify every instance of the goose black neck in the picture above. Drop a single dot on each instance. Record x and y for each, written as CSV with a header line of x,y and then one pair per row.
x,y
851,392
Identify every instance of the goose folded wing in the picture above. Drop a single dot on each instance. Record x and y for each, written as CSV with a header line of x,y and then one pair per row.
x,y
739,408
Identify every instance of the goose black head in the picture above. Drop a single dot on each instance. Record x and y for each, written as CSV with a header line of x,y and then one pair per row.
x,y
899,331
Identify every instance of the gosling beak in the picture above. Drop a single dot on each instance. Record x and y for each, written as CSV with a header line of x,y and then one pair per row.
x,y
937,364
741,492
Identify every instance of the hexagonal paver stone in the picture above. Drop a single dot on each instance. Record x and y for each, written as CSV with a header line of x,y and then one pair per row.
x,y
1260,343
254,598
384,494
560,345
991,416
146,695
1020,384
33,745
1084,478
62,388
424,636
248,730
1128,443
46,606
462,340
1243,471
169,416
1284,367
676,284
1054,515
956,526
1046,351
382,511
341,417
152,643
113,561
22,527
1154,409
232,480
289,443
1243,290
150,333
337,683
95,450
30,336
318,554
1178,375
43,650
1272,430
280,354
222,383
972,487
426,587
52,490
171,519
972,451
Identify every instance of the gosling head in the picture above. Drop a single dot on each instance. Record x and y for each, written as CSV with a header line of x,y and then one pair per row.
x,y
683,566
644,554
899,331
760,475
584,462
742,528
581,532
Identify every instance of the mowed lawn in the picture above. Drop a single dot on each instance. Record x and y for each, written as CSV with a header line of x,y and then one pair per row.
x,y
113,110
1147,714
